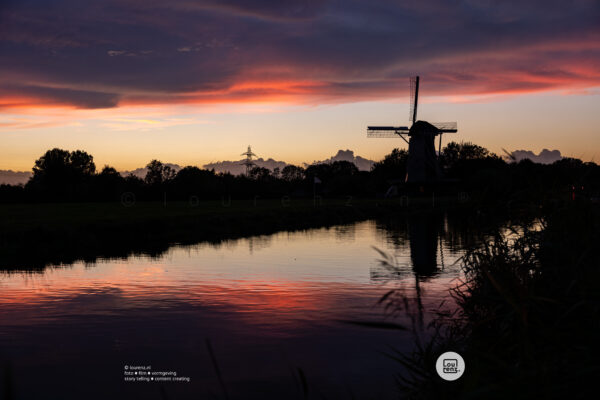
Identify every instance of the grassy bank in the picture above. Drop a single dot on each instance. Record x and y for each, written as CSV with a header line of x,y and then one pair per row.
x,y
527,315
35,235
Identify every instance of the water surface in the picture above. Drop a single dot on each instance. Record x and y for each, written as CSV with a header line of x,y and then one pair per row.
x,y
272,307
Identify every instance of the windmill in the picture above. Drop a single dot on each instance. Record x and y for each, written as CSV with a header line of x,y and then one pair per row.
x,y
248,162
422,161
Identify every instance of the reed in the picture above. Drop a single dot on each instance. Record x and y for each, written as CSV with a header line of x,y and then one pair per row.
x,y
525,315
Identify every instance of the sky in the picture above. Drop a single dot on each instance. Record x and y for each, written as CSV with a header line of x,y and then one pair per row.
x,y
194,82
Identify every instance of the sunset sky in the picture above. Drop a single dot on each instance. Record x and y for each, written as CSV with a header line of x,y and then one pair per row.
x,y
191,82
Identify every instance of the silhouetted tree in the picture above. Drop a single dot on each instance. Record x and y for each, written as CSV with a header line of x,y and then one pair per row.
x,y
133,182
109,171
64,164
259,173
391,168
339,177
343,168
82,162
292,173
158,173
12,193
62,174
455,152
393,165
108,184
321,171
193,181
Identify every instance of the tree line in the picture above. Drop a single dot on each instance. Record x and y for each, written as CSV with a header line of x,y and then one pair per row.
x,y
61,176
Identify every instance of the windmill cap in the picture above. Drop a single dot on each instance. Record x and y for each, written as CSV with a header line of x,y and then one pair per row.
x,y
421,127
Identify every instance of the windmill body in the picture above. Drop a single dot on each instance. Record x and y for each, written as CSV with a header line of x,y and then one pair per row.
x,y
422,159
423,166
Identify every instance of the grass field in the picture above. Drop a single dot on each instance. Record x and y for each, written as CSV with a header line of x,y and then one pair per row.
x,y
23,217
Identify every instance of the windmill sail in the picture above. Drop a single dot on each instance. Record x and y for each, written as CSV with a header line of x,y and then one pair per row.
x,y
414,98
445,127
386,131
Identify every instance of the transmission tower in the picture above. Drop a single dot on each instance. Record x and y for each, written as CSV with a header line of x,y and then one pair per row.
x,y
248,162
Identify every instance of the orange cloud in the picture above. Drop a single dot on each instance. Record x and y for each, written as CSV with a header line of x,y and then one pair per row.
x,y
289,52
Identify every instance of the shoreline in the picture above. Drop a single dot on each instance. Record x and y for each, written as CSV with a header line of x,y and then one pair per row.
x,y
34,236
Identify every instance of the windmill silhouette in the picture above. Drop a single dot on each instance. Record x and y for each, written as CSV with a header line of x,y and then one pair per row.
x,y
248,162
422,160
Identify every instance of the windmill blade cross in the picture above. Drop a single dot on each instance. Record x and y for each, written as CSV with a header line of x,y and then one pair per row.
x,y
423,164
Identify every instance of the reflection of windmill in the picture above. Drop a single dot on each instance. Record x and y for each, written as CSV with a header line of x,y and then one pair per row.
x,y
422,161
248,162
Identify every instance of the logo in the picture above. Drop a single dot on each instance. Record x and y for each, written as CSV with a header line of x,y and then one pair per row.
x,y
128,199
450,366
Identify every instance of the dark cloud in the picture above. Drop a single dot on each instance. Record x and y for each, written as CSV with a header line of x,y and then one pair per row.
x,y
10,177
42,95
150,51
361,163
544,157
236,167
141,172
